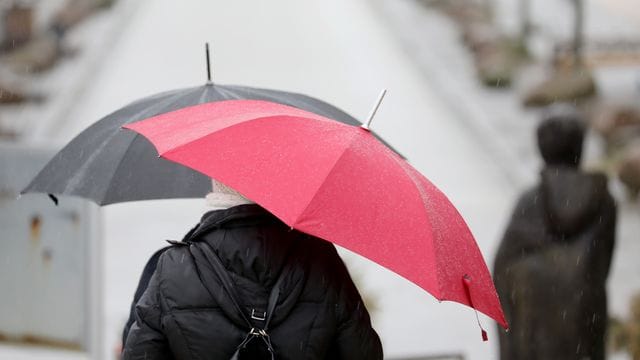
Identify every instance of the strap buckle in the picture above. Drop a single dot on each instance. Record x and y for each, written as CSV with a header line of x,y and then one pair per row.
x,y
257,316
258,332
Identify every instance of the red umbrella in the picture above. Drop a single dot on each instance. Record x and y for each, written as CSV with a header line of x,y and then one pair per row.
x,y
336,182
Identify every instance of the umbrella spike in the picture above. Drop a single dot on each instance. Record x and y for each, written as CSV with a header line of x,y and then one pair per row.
x,y
375,109
206,46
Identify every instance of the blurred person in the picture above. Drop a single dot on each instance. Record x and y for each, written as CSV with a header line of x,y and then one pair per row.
x,y
552,264
212,294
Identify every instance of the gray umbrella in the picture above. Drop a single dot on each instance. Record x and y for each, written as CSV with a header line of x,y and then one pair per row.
x,y
108,165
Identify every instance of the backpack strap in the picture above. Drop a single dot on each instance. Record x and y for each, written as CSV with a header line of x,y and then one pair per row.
x,y
214,263
206,256
275,294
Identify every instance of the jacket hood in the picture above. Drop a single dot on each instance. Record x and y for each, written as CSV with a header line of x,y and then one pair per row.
x,y
571,198
253,245
256,253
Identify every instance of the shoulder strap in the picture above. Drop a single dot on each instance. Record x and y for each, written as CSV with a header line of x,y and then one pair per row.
x,y
206,256
215,264
275,294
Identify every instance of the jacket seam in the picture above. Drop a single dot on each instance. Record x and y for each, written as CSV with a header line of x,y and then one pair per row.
x,y
311,327
184,338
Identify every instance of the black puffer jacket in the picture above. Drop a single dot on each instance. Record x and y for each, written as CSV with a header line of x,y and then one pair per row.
x,y
319,315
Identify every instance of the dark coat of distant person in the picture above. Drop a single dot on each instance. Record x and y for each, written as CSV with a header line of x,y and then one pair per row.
x,y
320,314
552,264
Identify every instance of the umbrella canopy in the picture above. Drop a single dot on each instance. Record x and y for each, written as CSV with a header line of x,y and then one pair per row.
x,y
336,182
107,165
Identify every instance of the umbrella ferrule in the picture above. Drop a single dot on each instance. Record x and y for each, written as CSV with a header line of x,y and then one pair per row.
x,y
374,110
209,82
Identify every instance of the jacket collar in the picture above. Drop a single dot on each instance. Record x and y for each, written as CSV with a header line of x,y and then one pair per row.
x,y
237,216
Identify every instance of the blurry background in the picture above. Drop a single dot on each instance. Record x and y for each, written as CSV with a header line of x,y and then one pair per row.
x,y
467,81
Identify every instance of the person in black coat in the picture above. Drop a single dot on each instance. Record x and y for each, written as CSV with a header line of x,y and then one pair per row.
x,y
143,283
319,314
552,264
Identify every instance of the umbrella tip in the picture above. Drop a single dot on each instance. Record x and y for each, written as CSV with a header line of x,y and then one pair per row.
x,y
54,199
466,281
374,110
206,49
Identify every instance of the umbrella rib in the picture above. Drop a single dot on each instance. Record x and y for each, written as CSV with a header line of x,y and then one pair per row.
x,y
316,106
152,110
425,199
76,178
167,98
315,193
312,104
227,93
241,123
117,167
165,102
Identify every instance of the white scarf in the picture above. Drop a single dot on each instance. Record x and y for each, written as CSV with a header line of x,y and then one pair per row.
x,y
223,197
